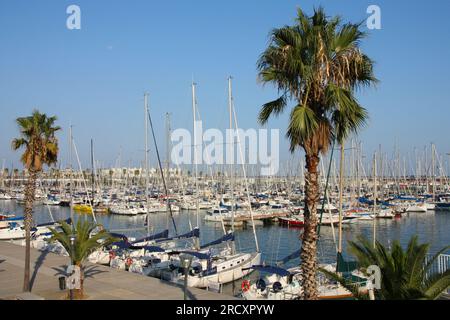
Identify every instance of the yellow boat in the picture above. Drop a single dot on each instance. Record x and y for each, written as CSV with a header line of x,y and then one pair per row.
x,y
82,208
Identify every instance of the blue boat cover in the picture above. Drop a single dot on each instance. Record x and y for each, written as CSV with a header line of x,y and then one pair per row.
x,y
190,234
227,237
14,219
161,235
148,248
120,236
197,254
406,198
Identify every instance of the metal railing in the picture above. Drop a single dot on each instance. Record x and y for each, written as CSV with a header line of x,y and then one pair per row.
x,y
439,266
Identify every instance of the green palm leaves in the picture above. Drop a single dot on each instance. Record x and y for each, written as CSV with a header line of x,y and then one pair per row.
x,y
318,64
406,274
39,140
87,239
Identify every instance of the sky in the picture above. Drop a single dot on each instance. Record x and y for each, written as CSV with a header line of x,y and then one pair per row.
x,y
95,78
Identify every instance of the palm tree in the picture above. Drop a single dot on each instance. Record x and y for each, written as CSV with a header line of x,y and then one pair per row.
x,y
37,137
317,64
86,241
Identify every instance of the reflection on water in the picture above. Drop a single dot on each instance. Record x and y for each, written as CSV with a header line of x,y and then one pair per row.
x,y
275,242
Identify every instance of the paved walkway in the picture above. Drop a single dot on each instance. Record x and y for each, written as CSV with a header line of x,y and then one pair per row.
x,y
101,283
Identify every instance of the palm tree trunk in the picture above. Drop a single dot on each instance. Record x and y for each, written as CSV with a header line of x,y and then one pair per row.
x,y
28,220
79,293
308,254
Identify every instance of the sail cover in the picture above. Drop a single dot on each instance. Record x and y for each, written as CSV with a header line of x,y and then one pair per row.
x,y
227,237
197,254
148,248
161,235
190,234
119,235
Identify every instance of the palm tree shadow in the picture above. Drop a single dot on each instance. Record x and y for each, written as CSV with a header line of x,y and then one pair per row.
x,y
38,264
89,272
1,261
190,295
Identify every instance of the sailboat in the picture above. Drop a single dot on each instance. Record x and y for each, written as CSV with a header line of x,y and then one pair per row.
x,y
211,264
278,283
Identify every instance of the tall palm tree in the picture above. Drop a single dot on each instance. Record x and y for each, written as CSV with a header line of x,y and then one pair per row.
x,y
317,64
37,137
405,274
87,239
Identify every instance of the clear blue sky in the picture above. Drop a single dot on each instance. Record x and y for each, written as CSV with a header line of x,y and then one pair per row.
x,y
95,77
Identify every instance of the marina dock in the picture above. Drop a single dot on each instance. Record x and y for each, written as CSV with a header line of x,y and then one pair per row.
x,y
101,282
257,218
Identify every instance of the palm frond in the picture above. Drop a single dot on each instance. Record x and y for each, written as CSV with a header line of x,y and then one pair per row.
x,y
437,284
274,107
347,284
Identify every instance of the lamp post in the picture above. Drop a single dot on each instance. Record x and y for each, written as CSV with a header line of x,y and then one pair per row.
x,y
72,243
186,262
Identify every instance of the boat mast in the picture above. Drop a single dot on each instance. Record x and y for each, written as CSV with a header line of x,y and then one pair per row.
x,y
341,189
71,174
433,165
194,113
147,198
92,173
231,150
168,129
374,198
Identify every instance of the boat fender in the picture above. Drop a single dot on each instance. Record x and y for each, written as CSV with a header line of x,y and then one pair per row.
x,y
245,285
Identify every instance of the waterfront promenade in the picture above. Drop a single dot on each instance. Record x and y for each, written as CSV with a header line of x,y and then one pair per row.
x,y
101,283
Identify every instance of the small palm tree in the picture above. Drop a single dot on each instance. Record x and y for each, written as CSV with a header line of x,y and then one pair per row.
x,y
405,274
317,64
37,137
86,241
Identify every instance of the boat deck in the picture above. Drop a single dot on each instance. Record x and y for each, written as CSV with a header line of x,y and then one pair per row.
x,y
101,282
